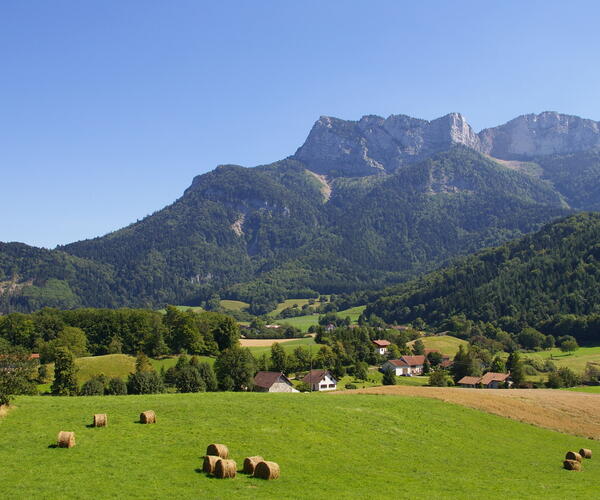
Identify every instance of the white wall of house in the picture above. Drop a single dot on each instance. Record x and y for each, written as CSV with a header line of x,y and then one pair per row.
x,y
382,350
326,384
281,387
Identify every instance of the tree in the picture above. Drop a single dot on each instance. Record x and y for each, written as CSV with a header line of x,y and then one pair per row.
x,y
93,387
464,364
188,379
325,358
514,365
569,377
549,342
208,376
389,377
155,344
418,347
361,371
438,378
435,358
498,365
116,387
17,373
142,363
569,345
235,368
225,330
115,346
145,382
278,358
393,352
530,338
426,367
303,358
65,373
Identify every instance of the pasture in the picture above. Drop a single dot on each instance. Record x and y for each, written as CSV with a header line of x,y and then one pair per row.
x,y
575,360
443,343
338,446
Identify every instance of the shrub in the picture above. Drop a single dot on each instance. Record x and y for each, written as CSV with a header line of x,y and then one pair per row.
x,y
389,377
145,382
303,387
116,387
350,386
93,387
189,380
439,378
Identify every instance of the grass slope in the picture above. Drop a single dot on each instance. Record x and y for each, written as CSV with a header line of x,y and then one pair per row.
x,y
575,360
234,305
444,343
342,446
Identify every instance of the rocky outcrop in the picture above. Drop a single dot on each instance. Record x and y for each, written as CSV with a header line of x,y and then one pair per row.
x,y
537,135
374,145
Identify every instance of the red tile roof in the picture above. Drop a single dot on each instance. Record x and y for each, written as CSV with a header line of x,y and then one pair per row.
x,y
446,363
315,376
267,379
398,362
414,360
469,381
490,377
381,343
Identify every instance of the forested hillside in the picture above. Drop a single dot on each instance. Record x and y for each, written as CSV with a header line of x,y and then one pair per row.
x,y
548,280
361,205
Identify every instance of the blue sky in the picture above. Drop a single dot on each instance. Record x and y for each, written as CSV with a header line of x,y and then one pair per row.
x,y
109,109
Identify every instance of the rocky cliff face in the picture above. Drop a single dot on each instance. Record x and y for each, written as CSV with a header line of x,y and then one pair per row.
x,y
538,135
374,145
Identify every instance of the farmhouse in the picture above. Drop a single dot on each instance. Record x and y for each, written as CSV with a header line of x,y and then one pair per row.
x,y
381,346
320,380
490,380
406,365
272,382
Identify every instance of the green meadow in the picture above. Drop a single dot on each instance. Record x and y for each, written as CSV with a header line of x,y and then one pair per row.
x,y
443,343
575,360
328,446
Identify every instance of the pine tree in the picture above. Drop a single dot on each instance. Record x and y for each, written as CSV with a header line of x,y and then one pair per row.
x,y
278,358
389,377
515,366
142,363
65,371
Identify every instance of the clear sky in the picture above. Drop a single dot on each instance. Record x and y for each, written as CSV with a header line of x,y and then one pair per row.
x,y
108,109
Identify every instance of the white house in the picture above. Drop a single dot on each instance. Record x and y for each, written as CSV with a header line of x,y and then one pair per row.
x,y
320,380
272,382
406,365
381,346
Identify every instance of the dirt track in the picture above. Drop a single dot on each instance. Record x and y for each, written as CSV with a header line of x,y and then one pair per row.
x,y
575,413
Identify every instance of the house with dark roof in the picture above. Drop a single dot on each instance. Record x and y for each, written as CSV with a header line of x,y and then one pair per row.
x,y
381,346
272,382
491,380
320,380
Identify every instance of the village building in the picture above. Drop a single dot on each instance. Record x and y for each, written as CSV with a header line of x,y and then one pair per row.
x,y
320,380
406,366
381,346
490,380
272,382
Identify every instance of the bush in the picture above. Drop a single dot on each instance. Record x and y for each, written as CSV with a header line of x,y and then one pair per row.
x,y
439,378
389,377
116,387
189,380
146,382
350,386
303,387
93,387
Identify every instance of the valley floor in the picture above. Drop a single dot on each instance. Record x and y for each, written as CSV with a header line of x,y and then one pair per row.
x,y
576,413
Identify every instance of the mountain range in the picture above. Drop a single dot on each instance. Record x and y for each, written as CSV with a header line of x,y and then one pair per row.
x,y
361,204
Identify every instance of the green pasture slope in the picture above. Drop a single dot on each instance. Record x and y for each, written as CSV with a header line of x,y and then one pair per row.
x,y
328,446
575,360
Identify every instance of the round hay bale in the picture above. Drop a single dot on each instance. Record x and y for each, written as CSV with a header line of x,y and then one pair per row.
x,y
100,420
250,464
225,468
210,461
573,455
585,453
266,470
66,439
148,417
217,450
572,465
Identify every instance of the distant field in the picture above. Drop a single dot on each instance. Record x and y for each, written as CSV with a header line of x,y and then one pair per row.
x,y
288,303
353,312
304,322
196,309
576,360
444,343
258,351
342,446
234,305
593,389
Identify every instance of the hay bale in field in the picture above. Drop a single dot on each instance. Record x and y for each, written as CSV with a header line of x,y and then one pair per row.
x,y
250,464
572,465
573,455
100,420
210,461
66,439
217,450
225,468
585,453
266,470
148,417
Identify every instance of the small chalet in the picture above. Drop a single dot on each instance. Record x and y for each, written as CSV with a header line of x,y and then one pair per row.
x,y
490,380
272,382
381,346
320,380
406,365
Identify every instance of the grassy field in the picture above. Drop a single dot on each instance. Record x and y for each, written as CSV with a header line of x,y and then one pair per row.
x,y
304,322
287,346
328,446
576,360
592,389
234,305
444,343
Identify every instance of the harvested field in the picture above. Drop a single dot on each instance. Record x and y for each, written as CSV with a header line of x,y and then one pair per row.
x,y
262,342
575,413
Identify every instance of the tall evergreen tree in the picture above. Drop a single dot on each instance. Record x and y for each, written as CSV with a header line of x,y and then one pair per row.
x,y
65,373
278,358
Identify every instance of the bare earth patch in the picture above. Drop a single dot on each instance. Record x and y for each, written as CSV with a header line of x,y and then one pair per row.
x,y
262,342
575,413
3,410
